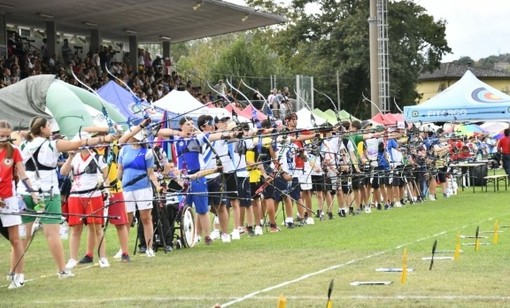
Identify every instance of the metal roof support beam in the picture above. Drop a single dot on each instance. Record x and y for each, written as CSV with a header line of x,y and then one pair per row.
x,y
51,39
94,40
133,52
166,49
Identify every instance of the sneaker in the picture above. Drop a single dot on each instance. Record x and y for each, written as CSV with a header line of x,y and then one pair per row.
x,y
208,240
142,249
215,234
198,239
398,204
368,209
432,197
318,214
118,255
379,206
358,211
65,274
71,264
225,237
86,259
258,230
241,230
290,225
168,248
17,281
250,231
343,213
103,262
150,253
273,228
9,276
309,221
124,258
330,215
235,235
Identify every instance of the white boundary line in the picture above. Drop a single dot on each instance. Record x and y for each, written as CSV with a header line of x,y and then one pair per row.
x,y
285,283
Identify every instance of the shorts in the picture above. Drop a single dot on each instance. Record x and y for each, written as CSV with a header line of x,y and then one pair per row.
x,y
80,207
305,181
145,197
283,188
244,191
441,175
53,206
117,207
231,184
200,199
357,181
215,187
253,188
11,206
319,183
269,191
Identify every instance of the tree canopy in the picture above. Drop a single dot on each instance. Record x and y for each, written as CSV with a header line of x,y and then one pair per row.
x,y
333,40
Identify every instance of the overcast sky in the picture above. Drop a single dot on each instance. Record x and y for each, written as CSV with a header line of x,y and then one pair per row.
x,y
474,28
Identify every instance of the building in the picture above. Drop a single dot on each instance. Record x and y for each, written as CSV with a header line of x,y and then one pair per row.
x,y
431,83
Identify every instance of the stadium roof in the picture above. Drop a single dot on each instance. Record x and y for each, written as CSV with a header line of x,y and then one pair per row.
x,y
150,21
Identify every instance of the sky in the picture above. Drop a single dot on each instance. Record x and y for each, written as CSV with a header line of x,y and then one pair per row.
x,y
474,28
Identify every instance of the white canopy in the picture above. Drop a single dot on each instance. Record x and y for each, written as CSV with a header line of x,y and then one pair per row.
x,y
305,119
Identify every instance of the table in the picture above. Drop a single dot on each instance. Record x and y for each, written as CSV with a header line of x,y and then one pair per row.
x,y
468,177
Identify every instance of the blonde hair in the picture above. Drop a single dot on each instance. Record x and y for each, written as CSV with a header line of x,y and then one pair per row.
x,y
8,145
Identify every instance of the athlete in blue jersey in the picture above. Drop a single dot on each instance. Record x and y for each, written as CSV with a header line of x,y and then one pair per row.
x,y
188,146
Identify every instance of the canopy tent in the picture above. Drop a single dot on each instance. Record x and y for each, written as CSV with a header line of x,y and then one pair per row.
x,y
182,103
344,115
494,127
388,118
125,102
304,119
469,99
321,114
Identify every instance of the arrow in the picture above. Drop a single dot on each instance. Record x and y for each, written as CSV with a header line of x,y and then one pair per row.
x,y
370,283
434,247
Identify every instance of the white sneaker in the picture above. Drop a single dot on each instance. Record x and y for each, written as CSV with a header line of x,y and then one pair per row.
x,y
241,230
309,221
198,239
235,235
215,234
150,253
432,198
9,276
398,204
65,274
258,230
71,264
17,281
103,262
368,209
225,238
118,255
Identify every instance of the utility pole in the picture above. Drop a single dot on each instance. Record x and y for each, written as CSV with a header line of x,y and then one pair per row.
x,y
374,61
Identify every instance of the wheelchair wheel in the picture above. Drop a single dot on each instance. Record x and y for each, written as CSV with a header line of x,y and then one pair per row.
x,y
187,226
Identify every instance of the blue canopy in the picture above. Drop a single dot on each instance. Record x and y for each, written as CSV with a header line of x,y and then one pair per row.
x,y
469,99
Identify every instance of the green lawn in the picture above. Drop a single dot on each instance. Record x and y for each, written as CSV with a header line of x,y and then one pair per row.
x,y
300,263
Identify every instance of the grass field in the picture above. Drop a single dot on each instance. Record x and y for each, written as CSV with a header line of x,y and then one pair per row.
x,y
299,264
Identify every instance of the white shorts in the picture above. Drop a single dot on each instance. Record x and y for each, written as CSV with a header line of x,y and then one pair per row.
x,y
140,199
305,181
11,206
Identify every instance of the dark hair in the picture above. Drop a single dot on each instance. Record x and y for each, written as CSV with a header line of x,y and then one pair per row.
x,y
35,127
184,120
346,124
290,116
203,119
356,124
506,132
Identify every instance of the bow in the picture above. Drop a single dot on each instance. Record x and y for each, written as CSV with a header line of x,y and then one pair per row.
x,y
109,121
266,106
337,113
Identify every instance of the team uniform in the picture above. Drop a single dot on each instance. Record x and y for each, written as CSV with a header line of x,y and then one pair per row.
x,y
8,191
40,157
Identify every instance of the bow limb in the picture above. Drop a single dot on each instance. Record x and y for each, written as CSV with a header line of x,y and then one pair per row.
x,y
217,92
339,121
109,121
138,101
266,103
254,117
312,117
